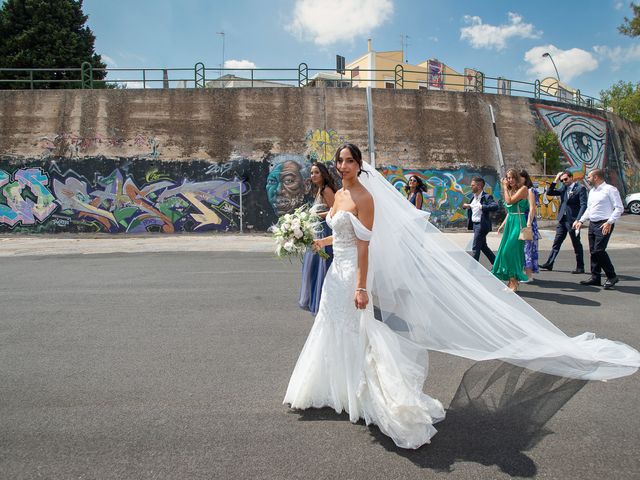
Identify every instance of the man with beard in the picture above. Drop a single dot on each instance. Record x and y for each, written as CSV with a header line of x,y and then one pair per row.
x,y
285,187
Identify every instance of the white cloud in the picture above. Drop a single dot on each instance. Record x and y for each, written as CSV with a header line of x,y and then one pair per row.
x,y
618,55
110,62
239,64
483,35
618,4
130,85
570,63
326,22
132,57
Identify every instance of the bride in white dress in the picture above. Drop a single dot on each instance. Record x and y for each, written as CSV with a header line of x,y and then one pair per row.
x,y
351,361
376,370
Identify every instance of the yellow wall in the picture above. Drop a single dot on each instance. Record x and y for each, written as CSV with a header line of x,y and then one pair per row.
x,y
454,80
415,76
363,64
386,61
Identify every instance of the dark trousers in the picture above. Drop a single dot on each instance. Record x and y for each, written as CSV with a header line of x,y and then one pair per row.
x,y
480,244
597,247
562,229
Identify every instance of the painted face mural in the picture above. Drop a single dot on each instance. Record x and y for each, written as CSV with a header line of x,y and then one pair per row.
x,y
583,137
285,184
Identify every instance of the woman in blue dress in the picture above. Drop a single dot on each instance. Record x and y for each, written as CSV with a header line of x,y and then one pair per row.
x,y
531,246
414,189
314,268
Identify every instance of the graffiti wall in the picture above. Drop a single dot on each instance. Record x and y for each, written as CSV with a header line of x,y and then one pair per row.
x,y
547,206
132,195
66,190
583,137
322,144
446,191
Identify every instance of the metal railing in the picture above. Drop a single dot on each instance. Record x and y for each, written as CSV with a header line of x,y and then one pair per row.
x,y
87,77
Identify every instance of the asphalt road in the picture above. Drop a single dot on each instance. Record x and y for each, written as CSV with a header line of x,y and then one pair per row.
x,y
174,365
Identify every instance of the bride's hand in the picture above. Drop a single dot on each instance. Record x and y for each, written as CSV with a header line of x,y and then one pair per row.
x,y
317,245
361,299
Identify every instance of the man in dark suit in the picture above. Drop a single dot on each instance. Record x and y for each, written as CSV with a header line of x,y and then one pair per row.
x,y
478,209
573,203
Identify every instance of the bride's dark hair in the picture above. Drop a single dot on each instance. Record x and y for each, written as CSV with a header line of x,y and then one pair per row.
x,y
355,153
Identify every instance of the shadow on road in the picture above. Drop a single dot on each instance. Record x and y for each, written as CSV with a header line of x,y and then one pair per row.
x,y
558,285
559,298
498,413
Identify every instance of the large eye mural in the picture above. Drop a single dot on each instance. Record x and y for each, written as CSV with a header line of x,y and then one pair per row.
x,y
583,137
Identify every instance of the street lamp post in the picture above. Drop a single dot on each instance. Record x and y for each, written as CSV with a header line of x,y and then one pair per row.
x,y
547,54
222,64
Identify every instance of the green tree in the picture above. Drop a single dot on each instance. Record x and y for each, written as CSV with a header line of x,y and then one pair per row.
x,y
624,99
46,34
546,141
631,27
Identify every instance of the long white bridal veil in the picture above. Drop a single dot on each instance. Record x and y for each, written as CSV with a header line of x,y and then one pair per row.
x,y
436,294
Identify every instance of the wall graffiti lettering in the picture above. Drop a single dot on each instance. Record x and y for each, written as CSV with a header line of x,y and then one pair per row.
x,y
19,191
117,203
135,196
70,145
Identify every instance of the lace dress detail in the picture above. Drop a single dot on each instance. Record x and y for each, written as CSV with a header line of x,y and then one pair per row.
x,y
352,362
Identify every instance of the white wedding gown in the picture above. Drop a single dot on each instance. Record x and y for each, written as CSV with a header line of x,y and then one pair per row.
x,y
352,362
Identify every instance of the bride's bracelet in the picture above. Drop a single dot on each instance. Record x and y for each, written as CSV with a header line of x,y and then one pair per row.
x,y
361,290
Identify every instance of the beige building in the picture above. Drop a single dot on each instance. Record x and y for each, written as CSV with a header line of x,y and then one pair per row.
x,y
232,81
382,69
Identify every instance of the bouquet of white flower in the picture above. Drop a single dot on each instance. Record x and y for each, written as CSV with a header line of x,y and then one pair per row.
x,y
295,232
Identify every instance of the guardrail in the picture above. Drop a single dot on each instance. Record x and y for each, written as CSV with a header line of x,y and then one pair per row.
x,y
87,77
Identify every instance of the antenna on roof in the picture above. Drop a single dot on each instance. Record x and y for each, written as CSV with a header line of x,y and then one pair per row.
x,y
404,42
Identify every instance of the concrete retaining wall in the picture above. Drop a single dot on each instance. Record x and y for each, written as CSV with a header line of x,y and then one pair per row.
x,y
179,160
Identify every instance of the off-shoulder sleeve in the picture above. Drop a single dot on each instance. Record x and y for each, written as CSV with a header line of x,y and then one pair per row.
x,y
362,232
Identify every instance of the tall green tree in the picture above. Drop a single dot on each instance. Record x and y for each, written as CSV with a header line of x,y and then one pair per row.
x,y
46,34
624,99
546,141
631,26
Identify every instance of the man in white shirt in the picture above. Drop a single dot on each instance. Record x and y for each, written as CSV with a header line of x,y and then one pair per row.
x,y
604,207
478,208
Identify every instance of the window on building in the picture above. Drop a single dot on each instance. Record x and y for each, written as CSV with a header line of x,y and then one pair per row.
x,y
355,72
389,83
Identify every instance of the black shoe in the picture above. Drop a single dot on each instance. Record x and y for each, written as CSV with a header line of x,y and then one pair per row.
x,y
608,285
592,281
578,270
547,266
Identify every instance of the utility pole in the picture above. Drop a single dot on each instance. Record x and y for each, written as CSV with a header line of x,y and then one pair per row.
x,y
222,64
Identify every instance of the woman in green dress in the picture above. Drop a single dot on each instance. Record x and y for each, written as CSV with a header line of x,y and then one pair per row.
x,y
509,261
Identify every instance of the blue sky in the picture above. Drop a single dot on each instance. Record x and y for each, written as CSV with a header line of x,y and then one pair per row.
x,y
500,38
